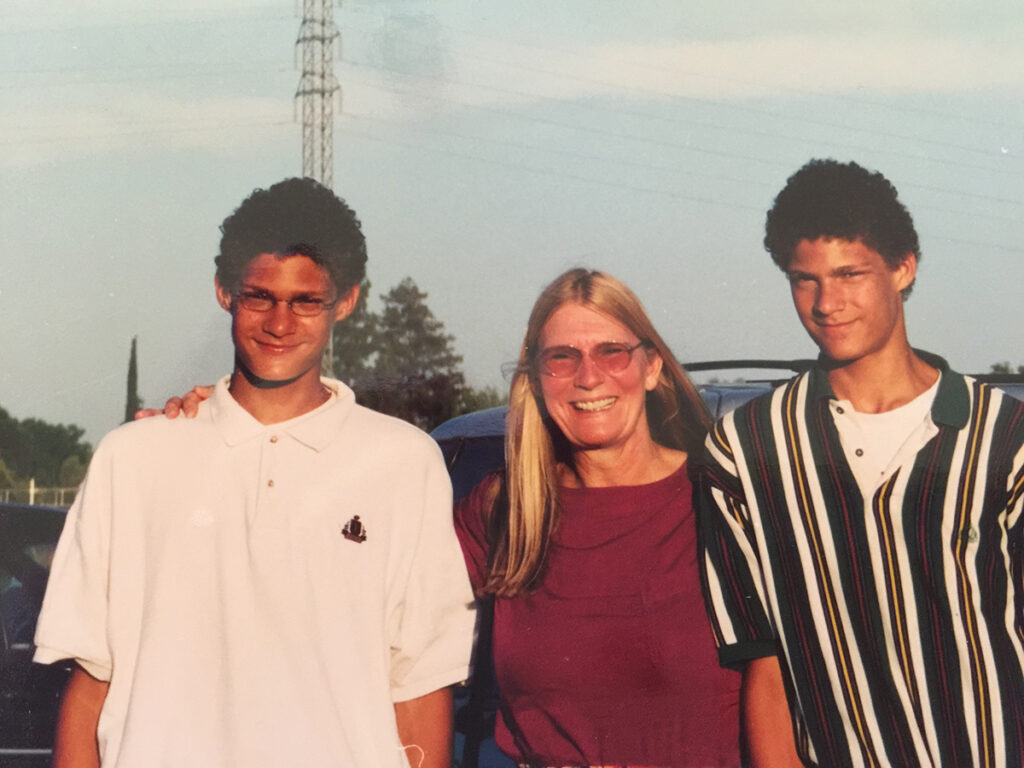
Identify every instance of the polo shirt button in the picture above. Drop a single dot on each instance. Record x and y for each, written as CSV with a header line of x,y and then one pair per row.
x,y
972,534
859,452
273,438
839,409
270,483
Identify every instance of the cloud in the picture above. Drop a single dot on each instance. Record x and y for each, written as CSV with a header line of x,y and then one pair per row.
x,y
787,66
53,131
30,15
485,73
777,67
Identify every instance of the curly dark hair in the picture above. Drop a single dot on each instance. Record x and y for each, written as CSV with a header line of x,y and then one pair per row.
x,y
294,217
844,201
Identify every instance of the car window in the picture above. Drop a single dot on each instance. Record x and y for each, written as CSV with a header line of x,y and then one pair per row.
x,y
23,574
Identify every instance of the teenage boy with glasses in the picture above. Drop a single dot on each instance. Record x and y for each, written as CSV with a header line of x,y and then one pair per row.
x,y
276,582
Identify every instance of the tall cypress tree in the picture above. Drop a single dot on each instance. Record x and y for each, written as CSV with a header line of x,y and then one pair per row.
x,y
133,401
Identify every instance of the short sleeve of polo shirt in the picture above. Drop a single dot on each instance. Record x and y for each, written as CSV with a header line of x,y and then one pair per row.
x,y
730,568
431,620
73,619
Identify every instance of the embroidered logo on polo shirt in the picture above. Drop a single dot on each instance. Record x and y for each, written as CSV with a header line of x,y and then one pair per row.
x,y
354,530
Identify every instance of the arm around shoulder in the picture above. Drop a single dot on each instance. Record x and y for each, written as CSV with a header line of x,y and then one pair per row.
x,y
766,722
76,745
187,404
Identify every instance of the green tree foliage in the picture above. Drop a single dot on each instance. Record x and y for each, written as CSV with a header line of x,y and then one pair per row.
x,y
35,448
479,399
411,341
402,361
72,471
1006,367
133,402
9,436
355,340
7,479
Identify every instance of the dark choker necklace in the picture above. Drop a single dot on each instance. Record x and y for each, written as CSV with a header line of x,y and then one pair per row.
x,y
260,383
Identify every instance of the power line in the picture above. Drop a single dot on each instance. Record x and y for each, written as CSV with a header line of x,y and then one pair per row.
x,y
561,174
219,71
668,168
767,86
18,25
204,128
718,105
592,129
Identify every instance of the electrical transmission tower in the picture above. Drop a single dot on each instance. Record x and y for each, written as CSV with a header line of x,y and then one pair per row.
x,y
318,37
317,85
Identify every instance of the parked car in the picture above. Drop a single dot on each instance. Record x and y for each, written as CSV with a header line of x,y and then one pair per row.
x,y
474,446
29,693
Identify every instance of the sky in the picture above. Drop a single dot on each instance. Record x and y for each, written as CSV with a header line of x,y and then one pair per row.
x,y
487,146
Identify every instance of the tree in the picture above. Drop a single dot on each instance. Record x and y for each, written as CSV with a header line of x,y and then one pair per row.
x,y
411,341
6,476
402,361
479,399
10,437
133,402
1005,367
72,472
354,340
413,373
34,448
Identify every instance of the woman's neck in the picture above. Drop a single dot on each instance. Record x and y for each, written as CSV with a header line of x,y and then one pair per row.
x,y
635,465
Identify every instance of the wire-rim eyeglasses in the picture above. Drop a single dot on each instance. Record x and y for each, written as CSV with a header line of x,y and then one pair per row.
x,y
263,301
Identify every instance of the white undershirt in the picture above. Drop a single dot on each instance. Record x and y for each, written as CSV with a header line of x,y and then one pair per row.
x,y
876,444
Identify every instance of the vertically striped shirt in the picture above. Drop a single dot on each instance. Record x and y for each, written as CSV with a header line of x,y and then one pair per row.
x,y
898,618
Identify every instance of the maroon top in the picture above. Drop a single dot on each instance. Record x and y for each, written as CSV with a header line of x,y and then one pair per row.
x,y
612,659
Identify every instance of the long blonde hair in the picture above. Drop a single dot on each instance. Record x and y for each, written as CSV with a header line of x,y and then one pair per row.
x,y
534,445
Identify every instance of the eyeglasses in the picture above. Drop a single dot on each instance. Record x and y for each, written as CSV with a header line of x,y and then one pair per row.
x,y
609,356
262,301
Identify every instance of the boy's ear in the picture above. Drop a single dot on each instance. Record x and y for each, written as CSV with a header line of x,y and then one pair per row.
x,y
346,304
223,296
905,273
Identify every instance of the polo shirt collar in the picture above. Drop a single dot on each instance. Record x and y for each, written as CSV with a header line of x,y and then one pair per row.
x,y
952,404
315,429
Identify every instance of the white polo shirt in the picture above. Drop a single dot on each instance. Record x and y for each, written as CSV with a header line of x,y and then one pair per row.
x,y
204,571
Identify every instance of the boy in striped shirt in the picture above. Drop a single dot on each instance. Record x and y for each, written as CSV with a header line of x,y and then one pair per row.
x,y
862,528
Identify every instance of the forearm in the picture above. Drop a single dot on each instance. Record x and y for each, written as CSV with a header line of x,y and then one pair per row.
x,y
75,745
425,729
767,724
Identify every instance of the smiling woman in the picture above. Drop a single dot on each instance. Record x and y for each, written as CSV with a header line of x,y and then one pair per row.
x,y
599,411
586,545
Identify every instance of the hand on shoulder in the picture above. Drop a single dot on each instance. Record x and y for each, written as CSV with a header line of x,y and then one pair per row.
x,y
187,404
